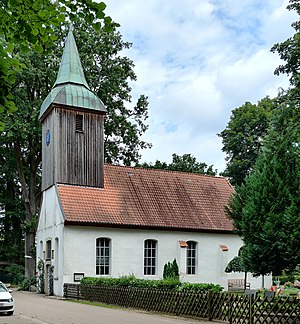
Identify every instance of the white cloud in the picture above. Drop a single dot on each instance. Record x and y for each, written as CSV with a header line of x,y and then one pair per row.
x,y
197,60
250,79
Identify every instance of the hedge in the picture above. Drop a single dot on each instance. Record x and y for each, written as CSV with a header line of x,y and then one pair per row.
x,y
168,284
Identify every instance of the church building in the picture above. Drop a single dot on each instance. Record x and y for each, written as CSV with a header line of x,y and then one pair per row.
x,y
105,220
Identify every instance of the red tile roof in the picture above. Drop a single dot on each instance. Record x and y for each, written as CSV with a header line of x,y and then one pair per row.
x,y
149,198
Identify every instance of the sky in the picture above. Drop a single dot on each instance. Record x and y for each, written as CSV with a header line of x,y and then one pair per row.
x,y
197,60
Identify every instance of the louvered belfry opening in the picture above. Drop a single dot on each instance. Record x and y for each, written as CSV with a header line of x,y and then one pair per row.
x,y
79,123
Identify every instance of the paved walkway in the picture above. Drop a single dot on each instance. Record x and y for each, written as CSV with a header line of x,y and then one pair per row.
x,y
32,308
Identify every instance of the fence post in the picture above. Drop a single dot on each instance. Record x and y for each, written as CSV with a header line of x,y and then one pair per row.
x,y
230,309
251,313
209,304
78,291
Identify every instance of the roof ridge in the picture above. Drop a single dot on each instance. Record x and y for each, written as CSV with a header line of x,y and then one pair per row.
x,y
163,170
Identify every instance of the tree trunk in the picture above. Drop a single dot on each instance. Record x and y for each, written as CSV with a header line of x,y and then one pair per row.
x,y
29,254
30,204
245,283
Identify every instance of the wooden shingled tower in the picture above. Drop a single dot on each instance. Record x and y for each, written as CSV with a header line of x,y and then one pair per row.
x,y
72,118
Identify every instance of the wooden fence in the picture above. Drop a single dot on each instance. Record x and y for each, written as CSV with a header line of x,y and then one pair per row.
x,y
225,307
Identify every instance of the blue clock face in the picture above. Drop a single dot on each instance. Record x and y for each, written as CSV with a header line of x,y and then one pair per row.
x,y
48,137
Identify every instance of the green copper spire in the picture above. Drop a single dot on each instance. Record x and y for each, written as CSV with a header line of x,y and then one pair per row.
x,y
70,87
70,70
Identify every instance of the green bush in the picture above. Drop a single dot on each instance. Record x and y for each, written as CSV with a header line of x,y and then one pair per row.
x,y
289,277
15,272
171,270
167,284
51,281
40,279
27,283
201,287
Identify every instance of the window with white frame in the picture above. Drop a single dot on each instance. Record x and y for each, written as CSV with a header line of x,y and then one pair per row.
x,y
191,257
48,250
150,247
103,246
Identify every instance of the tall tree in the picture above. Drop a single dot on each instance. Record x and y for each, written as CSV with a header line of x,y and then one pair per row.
x,y
22,161
289,51
11,210
242,137
109,75
184,163
23,131
266,208
29,24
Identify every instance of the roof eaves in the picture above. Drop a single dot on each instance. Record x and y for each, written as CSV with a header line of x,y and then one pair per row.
x,y
60,203
160,228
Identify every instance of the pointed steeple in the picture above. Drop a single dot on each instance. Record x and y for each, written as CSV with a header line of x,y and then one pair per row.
x,y
70,70
71,87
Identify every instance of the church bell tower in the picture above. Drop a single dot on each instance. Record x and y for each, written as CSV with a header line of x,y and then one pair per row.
x,y
72,118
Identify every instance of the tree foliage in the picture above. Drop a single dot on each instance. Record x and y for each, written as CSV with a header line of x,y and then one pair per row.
x,y
29,24
109,75
235,265
184,163
289,52
11,208
266,208
242,137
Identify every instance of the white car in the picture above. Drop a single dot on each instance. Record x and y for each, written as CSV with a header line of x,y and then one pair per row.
x,y
6,300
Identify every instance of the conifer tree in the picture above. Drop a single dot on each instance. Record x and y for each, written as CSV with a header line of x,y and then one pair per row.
x,y
266,209
171,270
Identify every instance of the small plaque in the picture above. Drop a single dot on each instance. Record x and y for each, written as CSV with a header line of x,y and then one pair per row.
x,y
78,276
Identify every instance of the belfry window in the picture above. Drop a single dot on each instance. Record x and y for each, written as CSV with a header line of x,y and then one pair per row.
x,y
79,123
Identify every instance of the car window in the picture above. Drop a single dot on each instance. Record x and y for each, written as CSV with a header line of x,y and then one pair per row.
x,y
2,288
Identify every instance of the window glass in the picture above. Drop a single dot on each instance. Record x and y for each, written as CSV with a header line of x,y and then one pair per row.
x,y
3,288
48,250
102,256
191,257
150,257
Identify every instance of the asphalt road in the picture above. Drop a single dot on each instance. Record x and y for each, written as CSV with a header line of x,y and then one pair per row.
x,y
32,308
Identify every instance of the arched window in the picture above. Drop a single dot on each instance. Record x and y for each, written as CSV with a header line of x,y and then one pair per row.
x,y
48,250
41,254
191,257
56,256
150,247
103,246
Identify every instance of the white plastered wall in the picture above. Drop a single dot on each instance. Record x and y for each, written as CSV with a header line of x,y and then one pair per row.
x,y
51,227
127,250
75,250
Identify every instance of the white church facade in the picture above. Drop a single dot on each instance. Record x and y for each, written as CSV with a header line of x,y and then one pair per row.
x,y
105,220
